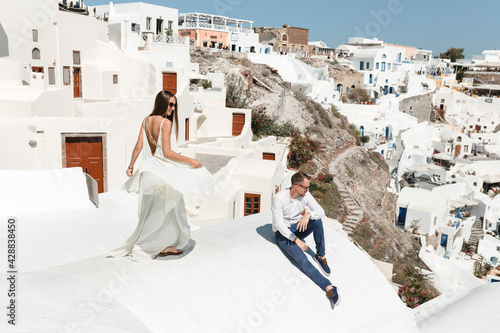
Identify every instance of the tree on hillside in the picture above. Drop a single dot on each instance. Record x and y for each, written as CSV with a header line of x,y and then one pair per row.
x,y
453,54
236,95
358,95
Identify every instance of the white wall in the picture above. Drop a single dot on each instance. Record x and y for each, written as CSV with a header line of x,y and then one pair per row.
x,y
244,40
46,131
178,55
425,218
138,12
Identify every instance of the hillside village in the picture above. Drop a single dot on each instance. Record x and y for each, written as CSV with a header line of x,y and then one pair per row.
x,y
403,147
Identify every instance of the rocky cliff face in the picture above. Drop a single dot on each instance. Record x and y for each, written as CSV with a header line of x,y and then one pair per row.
x,y
362,175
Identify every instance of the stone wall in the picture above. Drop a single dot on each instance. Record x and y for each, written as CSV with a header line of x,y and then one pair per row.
x,y
349,81
298,39
287,39
417,106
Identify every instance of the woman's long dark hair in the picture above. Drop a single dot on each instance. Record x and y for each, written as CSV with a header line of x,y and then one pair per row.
x,y
160,109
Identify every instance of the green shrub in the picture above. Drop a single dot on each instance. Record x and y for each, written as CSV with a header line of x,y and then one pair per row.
x,y
466,248
236,97
358,95
264,125
364,139
206,84
302,149
414,291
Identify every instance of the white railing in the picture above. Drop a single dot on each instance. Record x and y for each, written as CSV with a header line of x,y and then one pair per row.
x,y
218,27
167,39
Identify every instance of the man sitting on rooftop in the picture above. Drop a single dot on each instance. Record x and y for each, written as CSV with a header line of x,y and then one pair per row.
x,y
292,225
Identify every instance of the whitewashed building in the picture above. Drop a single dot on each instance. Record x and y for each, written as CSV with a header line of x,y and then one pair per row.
x,y
426,209
381,67
134,23
489,249
76,86
472,114
220,32
314,82
492,215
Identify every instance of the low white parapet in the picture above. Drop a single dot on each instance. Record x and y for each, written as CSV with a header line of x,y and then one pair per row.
x,y
25,191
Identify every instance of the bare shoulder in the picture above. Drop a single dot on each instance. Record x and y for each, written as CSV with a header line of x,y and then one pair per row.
x,y
167,124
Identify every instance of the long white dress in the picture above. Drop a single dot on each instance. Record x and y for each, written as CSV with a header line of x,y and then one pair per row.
x,y
161,184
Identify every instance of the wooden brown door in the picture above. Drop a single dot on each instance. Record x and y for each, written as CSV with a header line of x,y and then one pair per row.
x,y
86,152
268,156
186,130
238,123
77,81
170,82
458,149
252,204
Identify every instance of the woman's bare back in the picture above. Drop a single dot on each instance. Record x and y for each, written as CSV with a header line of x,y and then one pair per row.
x,y
152,129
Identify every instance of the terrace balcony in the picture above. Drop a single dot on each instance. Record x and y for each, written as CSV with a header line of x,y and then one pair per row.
x,y
213,22
76,7
150,37
216,27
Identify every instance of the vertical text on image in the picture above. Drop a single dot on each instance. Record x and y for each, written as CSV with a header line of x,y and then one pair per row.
x,y
11,269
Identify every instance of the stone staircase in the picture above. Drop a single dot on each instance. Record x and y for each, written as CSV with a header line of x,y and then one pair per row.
x,y
354,212
477,234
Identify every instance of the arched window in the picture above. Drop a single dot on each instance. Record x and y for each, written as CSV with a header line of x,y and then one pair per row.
x,y
35,54
285,38
459,139
384,56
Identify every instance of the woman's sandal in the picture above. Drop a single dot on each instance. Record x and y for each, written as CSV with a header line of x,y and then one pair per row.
x,y
168,253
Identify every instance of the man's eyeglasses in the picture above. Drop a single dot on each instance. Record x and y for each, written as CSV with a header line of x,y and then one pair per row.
x,y
172,105
304,187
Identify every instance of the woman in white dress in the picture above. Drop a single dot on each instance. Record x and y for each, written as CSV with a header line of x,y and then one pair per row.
x,y
161,180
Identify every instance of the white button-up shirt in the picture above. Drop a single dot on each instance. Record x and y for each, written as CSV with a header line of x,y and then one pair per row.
x,y
287,211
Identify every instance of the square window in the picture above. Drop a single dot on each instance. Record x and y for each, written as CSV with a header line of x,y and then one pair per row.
x,y
115,78
76,57
35,35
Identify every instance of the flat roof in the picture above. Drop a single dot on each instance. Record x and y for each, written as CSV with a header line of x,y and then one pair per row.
x,y
486,86
211,16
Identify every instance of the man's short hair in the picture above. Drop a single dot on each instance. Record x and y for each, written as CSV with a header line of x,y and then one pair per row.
x,y
299,177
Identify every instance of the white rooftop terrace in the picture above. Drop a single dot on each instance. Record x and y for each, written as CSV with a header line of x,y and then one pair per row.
x,y
232,277
213,22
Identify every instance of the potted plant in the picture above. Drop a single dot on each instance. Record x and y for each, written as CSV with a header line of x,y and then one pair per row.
x,y
414,226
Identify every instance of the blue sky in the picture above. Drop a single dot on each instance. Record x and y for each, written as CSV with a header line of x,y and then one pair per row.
x,y
429,24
